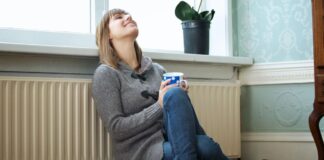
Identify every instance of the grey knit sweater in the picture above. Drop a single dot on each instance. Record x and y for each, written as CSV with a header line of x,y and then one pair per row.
x,y
127,104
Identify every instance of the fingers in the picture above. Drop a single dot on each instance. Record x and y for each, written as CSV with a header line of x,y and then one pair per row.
x,y
163,89
164,83
187,85
170,86
184,85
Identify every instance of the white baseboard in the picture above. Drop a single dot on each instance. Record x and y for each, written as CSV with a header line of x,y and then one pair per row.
x,y
277,137
278,146
278,73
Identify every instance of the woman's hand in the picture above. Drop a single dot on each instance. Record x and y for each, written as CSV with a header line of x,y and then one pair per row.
x,y
163,89
184,85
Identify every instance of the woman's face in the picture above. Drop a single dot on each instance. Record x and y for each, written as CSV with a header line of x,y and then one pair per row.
x,y
122,26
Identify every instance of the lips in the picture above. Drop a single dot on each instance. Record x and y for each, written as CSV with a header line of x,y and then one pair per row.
x,y
130,22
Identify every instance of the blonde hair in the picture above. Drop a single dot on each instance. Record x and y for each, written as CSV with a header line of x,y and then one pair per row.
x,y
107,53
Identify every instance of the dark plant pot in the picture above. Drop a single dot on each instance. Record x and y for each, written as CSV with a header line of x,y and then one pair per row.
x,y
196,36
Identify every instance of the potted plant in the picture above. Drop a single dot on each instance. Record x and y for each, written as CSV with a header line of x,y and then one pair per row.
x,y
195,26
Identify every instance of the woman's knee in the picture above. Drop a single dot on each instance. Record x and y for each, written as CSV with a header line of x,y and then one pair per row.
x,y
208,149
175,92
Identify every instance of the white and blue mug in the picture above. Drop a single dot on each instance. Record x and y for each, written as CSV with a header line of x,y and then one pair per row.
x,y
176,78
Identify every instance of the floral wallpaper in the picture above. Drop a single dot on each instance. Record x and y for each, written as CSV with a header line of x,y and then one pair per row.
x,y
277,108
273,30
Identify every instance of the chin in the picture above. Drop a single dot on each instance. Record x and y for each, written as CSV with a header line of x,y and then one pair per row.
x,y
131,32
135,33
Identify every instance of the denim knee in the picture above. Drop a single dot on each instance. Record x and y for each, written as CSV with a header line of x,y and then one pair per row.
x,y
174,94
175,91
208,149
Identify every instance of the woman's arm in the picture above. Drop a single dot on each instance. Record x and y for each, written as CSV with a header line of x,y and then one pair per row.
x,y
106,94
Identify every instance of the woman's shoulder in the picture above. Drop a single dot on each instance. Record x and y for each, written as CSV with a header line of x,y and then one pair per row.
x,y
104,78
158,67
105,71
103,68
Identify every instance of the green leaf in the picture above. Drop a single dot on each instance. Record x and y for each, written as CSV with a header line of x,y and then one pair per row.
x,y
194,14
203,14
183,11
210,16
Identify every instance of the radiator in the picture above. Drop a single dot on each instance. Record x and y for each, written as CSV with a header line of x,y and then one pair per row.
x,y
217,107
55,119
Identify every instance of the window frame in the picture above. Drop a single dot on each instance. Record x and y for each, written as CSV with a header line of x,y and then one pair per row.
x,y
229,29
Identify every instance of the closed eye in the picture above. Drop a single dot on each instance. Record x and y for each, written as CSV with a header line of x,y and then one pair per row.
x,y
117,16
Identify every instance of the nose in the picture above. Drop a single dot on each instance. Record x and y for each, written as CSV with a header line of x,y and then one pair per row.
x,y
128,17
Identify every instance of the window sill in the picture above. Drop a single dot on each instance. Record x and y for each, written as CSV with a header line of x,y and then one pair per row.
x,y
53,60
154,54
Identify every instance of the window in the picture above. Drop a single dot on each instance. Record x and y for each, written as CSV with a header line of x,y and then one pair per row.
x,y
160,29
72,23
49,15
50,22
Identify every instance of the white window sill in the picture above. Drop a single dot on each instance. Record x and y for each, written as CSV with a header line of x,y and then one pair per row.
x,y
154,54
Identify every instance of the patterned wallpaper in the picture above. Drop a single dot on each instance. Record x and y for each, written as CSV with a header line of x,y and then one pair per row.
x,y
273,30
277,108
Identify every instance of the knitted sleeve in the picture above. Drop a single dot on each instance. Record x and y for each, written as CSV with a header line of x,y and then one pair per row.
x,y
106,94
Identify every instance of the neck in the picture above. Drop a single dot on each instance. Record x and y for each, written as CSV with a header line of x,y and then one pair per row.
x,y
126,52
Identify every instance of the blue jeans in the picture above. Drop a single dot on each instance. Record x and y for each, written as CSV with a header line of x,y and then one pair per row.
x,y
185,138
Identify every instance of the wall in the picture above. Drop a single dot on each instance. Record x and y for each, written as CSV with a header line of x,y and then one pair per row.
x,y
273,30
275,33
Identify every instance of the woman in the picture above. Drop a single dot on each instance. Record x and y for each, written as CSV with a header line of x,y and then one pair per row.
x,y
147,119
